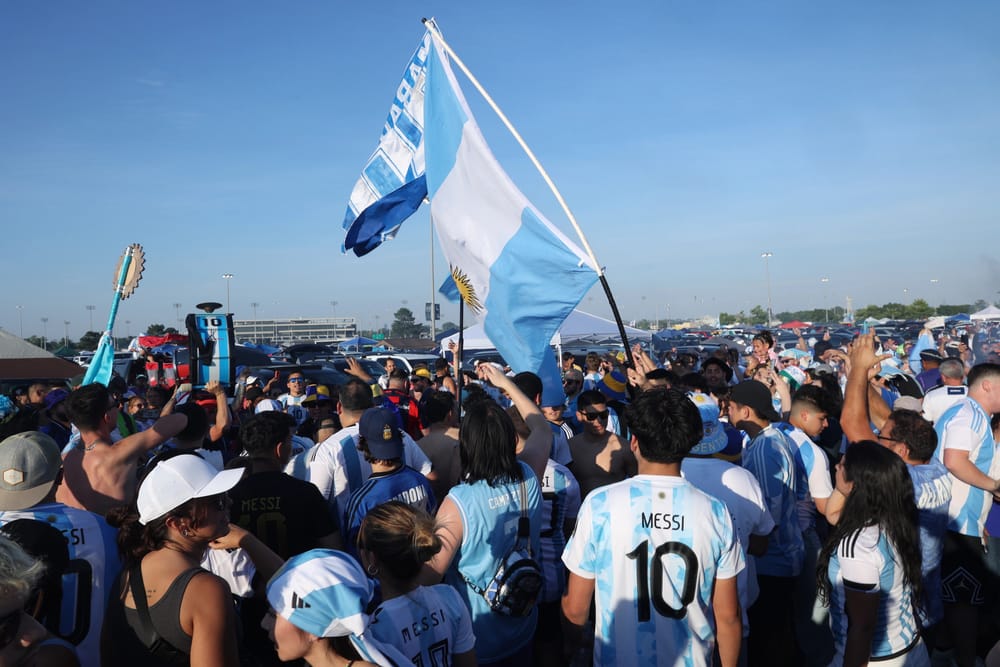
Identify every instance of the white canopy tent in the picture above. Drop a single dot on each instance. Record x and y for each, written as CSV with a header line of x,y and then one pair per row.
x,y
578,326
990,312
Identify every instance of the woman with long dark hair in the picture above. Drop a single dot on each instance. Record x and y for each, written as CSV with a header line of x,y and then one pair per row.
x,y
869,570
478,521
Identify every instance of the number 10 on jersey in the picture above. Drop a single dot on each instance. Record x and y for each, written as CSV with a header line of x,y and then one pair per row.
x,y
643,565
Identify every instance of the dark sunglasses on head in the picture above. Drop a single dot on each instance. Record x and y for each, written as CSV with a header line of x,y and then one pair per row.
x,y
594,416
9,627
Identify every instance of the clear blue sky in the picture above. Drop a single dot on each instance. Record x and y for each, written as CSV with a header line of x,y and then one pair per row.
x,y
856,141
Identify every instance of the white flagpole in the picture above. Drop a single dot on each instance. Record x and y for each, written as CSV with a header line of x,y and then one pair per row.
x,y
432,27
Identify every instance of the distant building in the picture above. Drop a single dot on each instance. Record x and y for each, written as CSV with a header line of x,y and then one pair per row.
x,y
296,330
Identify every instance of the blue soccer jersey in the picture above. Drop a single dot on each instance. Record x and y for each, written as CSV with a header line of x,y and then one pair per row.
x,y
655,545
560,502
814,474
403,484
429,625
932,490
93,569
866,561
966,427
338,468
771,458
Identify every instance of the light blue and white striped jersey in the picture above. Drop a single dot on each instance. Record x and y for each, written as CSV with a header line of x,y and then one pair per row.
x,y
490,515
90,576
867,561
429,625
560,501
288,399
302,454
965,426
770,457
655,545
338,468
814,468
932,491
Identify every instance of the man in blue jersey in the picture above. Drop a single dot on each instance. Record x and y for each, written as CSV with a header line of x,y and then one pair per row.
x,y
770,456
806,420
30,469
967,449
381,442
633,534
337,466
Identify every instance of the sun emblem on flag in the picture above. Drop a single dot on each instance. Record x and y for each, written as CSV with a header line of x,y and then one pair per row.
x,y
466,290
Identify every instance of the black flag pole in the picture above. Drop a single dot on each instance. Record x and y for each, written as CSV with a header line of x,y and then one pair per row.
x,y
457,358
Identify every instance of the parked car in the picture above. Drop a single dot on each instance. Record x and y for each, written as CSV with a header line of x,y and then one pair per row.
x,y
405,360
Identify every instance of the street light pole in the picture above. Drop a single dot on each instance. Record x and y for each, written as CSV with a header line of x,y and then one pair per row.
x,y
826,298
45,333
20,320
767,274
177,311
91,313
228,277
66,337
254,305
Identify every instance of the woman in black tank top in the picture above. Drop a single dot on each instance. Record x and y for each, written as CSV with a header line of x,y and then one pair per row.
x,y
168,610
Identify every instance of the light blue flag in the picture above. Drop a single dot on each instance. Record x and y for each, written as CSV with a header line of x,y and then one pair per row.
x,y
449,290
103,362
392,186
515,270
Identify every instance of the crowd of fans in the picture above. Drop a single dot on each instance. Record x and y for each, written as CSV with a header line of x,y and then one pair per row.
x,y
818,505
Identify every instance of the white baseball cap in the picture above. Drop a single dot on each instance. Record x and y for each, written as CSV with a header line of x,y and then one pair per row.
x,y
176,480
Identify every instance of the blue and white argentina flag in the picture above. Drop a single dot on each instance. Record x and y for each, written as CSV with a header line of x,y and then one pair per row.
x,y
513,268
392,186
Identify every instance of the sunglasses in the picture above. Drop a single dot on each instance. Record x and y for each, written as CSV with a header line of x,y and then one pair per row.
x,y
9,627
594,416
296,379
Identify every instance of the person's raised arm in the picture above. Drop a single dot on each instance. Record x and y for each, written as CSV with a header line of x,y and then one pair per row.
x,y
854,418
355,368
538,446
162,430
168,407
781,387
223,418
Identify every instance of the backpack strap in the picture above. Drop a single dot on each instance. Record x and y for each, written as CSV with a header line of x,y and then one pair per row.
x,y
523,533
524,523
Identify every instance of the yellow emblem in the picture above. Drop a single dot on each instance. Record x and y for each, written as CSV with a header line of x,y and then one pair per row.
x,y
387,432
466,290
